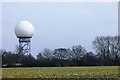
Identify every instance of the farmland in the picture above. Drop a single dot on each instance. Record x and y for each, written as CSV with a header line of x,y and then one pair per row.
x,y
61,72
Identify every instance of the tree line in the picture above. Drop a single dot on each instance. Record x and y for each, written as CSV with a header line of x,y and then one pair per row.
x,y
107,53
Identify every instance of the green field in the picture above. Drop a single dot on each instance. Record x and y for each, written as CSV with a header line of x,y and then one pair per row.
x,y
61,72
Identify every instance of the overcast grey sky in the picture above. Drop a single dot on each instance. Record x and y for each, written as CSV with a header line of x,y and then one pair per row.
x,y
60,24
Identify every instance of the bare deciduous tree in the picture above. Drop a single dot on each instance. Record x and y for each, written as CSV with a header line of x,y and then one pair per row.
x,y
47,53
78,51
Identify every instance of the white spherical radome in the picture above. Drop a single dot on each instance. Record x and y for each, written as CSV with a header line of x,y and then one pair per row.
x,y
24,29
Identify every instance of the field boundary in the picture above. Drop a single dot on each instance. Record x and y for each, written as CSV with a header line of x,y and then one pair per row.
x,y
61,79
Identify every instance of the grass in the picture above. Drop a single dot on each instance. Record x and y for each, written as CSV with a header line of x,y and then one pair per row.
x,y
61,72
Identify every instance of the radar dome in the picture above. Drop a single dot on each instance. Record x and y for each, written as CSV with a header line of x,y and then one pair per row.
x,y
24,29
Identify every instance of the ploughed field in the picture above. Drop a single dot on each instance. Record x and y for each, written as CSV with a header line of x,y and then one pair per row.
x,y
62,72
